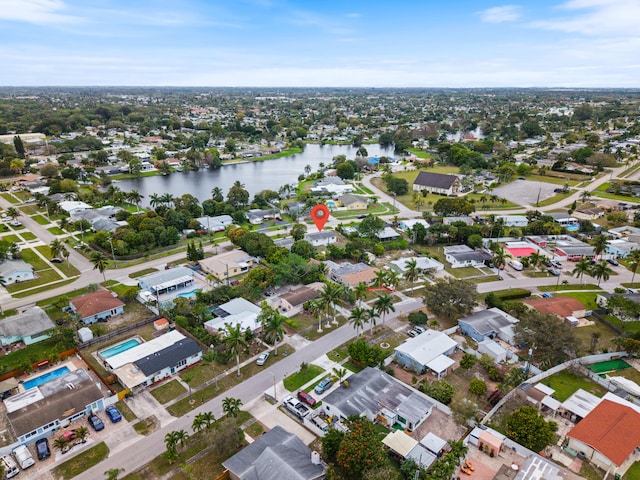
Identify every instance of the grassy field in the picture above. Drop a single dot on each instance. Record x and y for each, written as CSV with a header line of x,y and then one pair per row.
x,y
26,293
554,199
81,462
168,391
141,273
41,220
297,380
28,236
561,287
10,238
56,230
588,299
566,384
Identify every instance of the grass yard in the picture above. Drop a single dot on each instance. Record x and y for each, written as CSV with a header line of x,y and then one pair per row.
x,y
297,380
56,230
555,199
561,287
633,473
81,462
28,236
566,384
126,412
26,293
145,426
10,198
141,273
32,354
168,391
584,337
464,272
31,257
44,277
420,153
588,299
11,238
41,220
255,429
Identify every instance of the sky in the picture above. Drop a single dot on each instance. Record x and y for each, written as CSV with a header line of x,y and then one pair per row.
x,y
327,43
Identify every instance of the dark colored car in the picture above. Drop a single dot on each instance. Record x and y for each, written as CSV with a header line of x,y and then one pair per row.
x,y
323,386
42,447
96,423
613,262
306,398
113,414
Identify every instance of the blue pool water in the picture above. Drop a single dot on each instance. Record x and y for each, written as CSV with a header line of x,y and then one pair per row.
x,y
47,377
123,347
331,204
190,294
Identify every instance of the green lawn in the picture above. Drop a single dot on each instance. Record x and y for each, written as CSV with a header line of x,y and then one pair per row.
x,y
9,198
298,379
418,152
126,412
28,236
32,354
620,198
81,462
633,473
31,257
168,391
566,384
554,199
56,230
552,288
44,277
61,283
10,238
588,299
41,220
141,273
464,272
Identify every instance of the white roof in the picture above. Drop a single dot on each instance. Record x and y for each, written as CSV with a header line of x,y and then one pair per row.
x,y
244,319
145,349
239,305
421,456
433,442
440,363
492,346
70,205
427,346
551,403
581,403
422,263
629,385
541,387
400,442
412,222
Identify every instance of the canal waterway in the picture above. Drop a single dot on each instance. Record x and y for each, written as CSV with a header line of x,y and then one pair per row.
x,y
256,176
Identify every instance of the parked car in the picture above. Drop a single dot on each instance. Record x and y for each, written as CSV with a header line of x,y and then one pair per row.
x,y
323,386
412,333
419,329
113,413
96,423
262,359
69,435
613,262
56,260
306,398
554,272
10,466
42,448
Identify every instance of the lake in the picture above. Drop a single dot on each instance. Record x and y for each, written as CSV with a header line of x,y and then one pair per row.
x,y
256,176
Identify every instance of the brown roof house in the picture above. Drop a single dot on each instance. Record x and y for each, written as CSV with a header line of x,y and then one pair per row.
x,y
228,264
437,183
350,274
291,303
97,306
561,306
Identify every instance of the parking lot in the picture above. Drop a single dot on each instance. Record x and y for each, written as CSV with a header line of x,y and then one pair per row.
x,y
526,192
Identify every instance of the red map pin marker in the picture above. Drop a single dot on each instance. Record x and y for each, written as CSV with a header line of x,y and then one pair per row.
x,y
320,215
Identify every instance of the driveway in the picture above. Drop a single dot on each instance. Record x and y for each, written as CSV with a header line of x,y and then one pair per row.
x,y
526,192
144,405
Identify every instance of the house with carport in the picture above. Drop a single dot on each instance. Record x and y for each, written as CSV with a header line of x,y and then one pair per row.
x,y
428,351
237,311
490,323
97,306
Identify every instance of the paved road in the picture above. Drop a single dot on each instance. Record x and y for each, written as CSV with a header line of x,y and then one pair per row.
x,y
147,448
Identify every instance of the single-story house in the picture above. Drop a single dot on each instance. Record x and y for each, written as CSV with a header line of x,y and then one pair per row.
x,y
294,300
490,323
42,410
379,396
407,225
387,234
354,202
14,271
152,361
237,311
513,220
321,239
93,307
423,264
463,256
31,326
493,349
608,435
275,455
428,351
350,274
589,213
463,218
573,249
215,224
565,220
73,205
602,299
165,281
227,265
627,232
563,307
257,216
404,447
439,183
621,248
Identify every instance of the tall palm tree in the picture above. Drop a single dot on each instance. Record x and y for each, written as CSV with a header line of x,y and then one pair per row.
x,y
181,437
535,259
167,199
231,406
273,328
135,197
329,295
381,278
81,434
384,305
358,317
65,253
62,444
202,421
582,267
56,247
371,318
499,259
13,213
601,271
411,274
234,339
217,194
316,309
360,293
599,243
100,263
392,279
155,200
634,263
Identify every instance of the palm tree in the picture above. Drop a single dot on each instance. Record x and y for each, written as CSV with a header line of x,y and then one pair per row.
x,y
166,199
65,253
316,308
340,373
81,434
113,473
384,305
371,318
601,271
392,279
273,328
135,197
499,259
217,194
411,274
234,339
13,213
535,259
360,292
55,246
154,200
100,262
358,317
599,243
634,263
231,406
585,196
329,295
62,444
203,421
381,277
582,267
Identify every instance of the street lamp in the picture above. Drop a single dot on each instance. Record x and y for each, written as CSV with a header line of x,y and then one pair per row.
x,y
113,254
215,374
275,396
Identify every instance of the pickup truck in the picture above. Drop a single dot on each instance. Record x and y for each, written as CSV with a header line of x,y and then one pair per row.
x,y
296,407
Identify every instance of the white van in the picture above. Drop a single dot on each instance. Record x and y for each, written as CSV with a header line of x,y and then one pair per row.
x,y
10,467
23,456
516,265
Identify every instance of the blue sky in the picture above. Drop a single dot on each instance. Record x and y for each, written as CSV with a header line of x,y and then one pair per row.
x,y
373,43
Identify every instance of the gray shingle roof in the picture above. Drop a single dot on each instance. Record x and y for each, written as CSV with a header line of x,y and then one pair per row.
x,y
168,357
487,321
435,180
31,321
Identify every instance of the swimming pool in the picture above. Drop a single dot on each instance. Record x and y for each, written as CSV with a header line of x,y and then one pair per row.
x,y
331,203
121,347
190,294
47,377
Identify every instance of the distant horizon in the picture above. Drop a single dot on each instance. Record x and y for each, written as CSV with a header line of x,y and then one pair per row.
x,y
326,87
569,44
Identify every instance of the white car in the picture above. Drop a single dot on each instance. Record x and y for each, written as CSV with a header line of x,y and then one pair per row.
x,y
262,359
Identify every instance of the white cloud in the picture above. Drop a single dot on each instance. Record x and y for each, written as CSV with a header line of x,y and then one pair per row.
x,y
35,11
505,13
597,17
